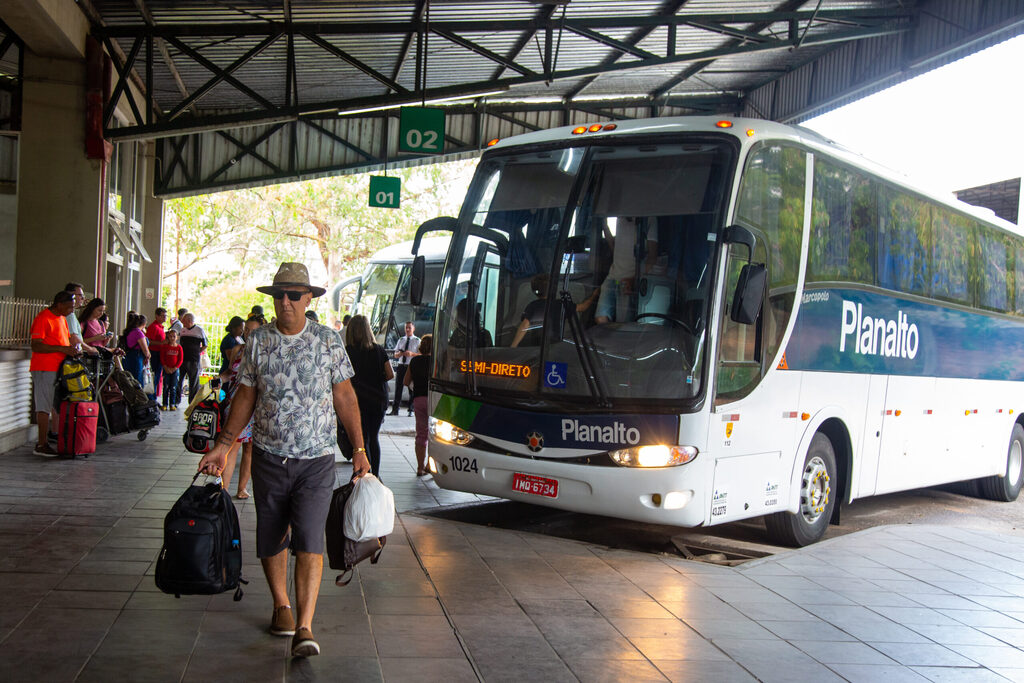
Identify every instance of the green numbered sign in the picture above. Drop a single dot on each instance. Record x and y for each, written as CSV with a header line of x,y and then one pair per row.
x,y
385,191
421,129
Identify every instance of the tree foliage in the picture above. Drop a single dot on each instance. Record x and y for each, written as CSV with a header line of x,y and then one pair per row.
x,y
219,247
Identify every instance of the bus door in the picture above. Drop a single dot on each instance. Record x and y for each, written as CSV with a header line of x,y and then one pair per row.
x,y
751,430
908,453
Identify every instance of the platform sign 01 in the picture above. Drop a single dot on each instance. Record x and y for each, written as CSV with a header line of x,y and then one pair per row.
x,y
421,129
385,191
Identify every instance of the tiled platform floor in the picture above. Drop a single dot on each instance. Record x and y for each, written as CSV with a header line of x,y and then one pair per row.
x,y
456,602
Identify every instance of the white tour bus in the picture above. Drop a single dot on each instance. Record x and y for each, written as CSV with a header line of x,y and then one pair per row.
x,y
382,293
692,321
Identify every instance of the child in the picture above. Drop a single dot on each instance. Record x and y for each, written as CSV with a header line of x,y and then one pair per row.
x,y
171,356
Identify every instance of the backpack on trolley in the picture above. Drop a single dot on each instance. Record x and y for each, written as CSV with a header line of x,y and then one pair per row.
x,y
73,381
143,413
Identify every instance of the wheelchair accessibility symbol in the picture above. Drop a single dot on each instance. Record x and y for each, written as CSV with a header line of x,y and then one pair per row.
x,y
555,375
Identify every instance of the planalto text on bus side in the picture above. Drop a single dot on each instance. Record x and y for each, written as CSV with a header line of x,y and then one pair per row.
x,y
878,336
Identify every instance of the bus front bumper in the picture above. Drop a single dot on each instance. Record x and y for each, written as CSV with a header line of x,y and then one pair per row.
x,y
668,495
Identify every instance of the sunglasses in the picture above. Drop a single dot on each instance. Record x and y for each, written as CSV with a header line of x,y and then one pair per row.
x,y
292,296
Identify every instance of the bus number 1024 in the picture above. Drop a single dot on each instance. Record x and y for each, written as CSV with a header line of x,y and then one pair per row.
x,y
460,464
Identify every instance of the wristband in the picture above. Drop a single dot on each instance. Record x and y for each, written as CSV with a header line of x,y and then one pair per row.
x,y
359,450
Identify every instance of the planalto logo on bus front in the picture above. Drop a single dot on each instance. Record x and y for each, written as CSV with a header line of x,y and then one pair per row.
x,y
614,433
877,336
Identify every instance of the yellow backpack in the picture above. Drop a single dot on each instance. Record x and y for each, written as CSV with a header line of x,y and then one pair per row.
x,y
75,380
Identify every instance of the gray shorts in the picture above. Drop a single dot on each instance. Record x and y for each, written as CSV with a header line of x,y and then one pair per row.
x,y
291,492
43,382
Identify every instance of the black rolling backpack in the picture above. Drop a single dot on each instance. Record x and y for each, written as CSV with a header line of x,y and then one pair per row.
x,y
202,551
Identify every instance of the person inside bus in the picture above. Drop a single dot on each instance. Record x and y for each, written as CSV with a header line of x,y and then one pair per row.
x,y
629,249
460,335
533,314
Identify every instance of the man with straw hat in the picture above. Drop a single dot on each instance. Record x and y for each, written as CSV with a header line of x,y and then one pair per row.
x,y
294,379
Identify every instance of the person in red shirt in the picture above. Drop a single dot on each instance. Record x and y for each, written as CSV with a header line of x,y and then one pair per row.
x,y
51,343
155,334
171,355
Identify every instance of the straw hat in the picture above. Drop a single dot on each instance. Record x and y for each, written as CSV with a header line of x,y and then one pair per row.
x,y
291,274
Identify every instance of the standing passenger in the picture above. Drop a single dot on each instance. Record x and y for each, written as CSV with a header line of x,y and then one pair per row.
x,y
417,380
170,361
407,347
193,343
372,372
155,336
137,355
50,345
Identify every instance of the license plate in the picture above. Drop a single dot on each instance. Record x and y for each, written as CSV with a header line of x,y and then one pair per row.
x,y
534,485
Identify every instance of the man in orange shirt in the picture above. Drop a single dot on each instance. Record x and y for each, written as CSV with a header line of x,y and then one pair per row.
x,y
50,344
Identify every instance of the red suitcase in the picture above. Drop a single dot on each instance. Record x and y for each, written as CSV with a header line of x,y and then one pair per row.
x,y
76,430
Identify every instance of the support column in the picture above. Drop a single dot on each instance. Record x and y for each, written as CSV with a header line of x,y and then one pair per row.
x,y
60,191
152,238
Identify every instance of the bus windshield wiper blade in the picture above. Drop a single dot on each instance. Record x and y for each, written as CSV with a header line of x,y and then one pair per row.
x,y
585,350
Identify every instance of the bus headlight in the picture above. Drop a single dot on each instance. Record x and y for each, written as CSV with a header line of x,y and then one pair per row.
x,y
449,433
654,456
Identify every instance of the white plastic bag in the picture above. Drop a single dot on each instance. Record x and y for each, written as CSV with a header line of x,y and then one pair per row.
x,y
147,385
370,510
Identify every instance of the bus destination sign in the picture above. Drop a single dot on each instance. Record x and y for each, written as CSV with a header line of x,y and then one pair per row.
x,y
494,369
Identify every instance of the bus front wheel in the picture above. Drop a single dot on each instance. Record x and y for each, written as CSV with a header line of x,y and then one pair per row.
x,y
1005,488
817,498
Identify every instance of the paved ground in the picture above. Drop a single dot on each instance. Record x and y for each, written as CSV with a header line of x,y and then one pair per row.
x,y
457,602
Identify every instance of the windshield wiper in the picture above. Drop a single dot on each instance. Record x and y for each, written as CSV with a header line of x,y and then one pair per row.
x,y
586,352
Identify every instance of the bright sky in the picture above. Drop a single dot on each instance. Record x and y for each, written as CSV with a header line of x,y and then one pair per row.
x,y
955,127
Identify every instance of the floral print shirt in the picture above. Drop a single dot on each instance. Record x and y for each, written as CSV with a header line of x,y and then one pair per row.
x,y
294,378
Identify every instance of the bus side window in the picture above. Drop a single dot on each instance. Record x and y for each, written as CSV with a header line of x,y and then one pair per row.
x,y
739,369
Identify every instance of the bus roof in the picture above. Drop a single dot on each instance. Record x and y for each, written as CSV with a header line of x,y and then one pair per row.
x,y
431,248
748,131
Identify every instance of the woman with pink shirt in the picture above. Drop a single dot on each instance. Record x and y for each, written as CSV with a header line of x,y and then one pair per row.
x,y
93,331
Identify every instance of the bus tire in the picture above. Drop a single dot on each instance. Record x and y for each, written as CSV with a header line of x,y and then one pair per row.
x,y
1005,488
817,500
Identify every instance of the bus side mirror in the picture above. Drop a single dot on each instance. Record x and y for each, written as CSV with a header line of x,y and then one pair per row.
x,y
746,301
576,244
416,278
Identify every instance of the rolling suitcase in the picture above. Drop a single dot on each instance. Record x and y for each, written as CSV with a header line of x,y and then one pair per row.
x,y
76,428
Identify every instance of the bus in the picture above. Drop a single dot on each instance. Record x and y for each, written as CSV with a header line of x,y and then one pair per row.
x,y
691,321
382,291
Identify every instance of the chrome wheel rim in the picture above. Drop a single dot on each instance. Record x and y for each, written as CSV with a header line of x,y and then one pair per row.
x,y
815,490
1015,462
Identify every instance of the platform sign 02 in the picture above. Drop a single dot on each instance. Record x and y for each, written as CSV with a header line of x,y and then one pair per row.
x,y
385,191
421,129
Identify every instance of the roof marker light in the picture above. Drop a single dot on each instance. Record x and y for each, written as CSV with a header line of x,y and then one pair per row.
x,y
596,127
724,124
750,132
610,126
579,130
492,143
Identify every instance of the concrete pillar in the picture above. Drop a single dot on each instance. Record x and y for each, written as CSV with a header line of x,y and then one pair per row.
x,y
8,227
152,238
60,192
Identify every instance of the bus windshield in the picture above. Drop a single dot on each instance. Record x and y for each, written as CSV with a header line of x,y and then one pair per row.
x,y
384,300
377,294
589,275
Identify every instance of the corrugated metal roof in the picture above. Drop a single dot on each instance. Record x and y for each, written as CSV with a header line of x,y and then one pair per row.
x,y
468,44
781,59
